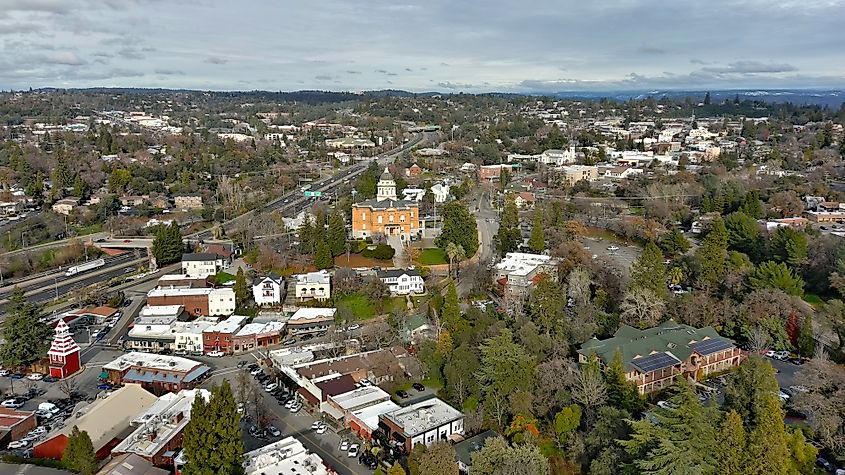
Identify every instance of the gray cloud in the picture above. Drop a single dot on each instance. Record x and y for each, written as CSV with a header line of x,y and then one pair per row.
x,y
323,77
455,86
349,71
216,60
169,72
651,49
751,67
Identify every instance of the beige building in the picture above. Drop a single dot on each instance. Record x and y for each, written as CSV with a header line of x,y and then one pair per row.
x,y
572,174
65,206
188,202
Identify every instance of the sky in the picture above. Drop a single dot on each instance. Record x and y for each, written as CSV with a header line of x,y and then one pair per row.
x,y
528,46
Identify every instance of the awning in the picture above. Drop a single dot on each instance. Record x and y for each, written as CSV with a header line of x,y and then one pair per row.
x,y
104,375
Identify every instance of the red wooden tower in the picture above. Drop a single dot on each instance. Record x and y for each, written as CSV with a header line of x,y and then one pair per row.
x,y
64,353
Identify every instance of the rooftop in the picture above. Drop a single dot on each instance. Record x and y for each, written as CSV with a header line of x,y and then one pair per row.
x,y
389,273
369,415
229,325
261,328
199,256
520,263
304,315
321,277
423,416
161,310
360,398
664,345
151,361
129,464
465,449
160,423
284,457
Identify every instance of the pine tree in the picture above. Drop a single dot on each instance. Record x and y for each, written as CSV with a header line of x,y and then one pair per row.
x,y
396,469
306,236
212,439
337,233
451,313
240,288
806,341
537,241
674,243
732,445
753,206
621,393
649,271
323,256
167,245
768,450
79,454
711,256
508,236
26,335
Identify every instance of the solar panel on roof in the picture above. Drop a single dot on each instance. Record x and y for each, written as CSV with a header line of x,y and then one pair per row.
x,y
710,346
654,362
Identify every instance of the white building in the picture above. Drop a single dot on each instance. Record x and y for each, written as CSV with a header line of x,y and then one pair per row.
x,y
188,336
401,281
160,427
413,194
558,157
268,290
424,423
197,302
309,320
284,457
517,271
440,192
313,285
200,264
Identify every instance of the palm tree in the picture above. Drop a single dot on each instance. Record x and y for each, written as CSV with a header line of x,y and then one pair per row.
x,y
456,253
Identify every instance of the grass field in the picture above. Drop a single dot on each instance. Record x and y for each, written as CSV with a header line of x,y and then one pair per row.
x,y
432,256
223,277
360,306
813,300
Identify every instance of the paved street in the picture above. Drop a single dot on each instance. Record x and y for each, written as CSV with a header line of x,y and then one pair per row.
x,y
623,257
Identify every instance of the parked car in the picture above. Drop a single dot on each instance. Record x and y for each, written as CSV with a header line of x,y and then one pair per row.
x,y
322,429
255,371
104,386
271,387
354,326
18,444
402,394
353,450
344,445
796,361
289,403
295,408
49,379
783,396
666,405
215,354
273,431
35,376
240,408
770,353
13,403
781,355
16,376
824,464
241,364
612,248
419,387
4,372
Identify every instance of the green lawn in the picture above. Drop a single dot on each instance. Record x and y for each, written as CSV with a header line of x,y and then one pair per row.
x,y
223,277
813,300
432,256
359,305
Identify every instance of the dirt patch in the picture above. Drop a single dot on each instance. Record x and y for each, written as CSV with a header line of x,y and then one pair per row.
x,y
357,260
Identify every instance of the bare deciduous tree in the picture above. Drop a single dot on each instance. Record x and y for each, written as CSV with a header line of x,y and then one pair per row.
x,y
68,386
641,307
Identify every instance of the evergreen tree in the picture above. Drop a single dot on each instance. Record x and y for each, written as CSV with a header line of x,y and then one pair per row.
x,y
450,316
806,341
306,236
707,99
167,245
621,393
789,246
396,469
674,243
754,378
508,236
80,188
743,234
772,275
537,241
768,449
753,206
546,303
241,289
459,227
337,233
649,271
323,256
439,458
212,439
27,336
79,454
710,257
732,445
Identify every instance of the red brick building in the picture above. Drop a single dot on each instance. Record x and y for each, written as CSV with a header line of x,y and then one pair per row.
x,y
15,424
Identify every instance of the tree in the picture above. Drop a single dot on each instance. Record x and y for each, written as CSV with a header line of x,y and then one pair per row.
x,y
212,438
674,243
754,378
789,246
450,315
710,257
459,227
79,454
337,233
509,237
439,458
753,206
773,275
768,449
732,446
323,256
786,204
241,289
167,245
681,441
567,421
506,368
546,303
743,234
497,457
537,241
649,271
26,335
306,236
806,340
455,253
621,392
118,180
396,469
641,307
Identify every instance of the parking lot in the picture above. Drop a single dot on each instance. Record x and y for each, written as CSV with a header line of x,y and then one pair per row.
x,y
620,254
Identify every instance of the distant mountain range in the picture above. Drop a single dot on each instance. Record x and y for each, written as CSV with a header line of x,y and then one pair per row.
x,y
831,97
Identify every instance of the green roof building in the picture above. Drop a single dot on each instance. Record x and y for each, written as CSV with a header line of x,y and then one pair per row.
x,y
654,357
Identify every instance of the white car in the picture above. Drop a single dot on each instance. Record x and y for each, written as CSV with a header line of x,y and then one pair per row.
x,y
295,408
255,371
316,425
4,372
273,431
18,444
40,430
354,326
271,387
353,451
612,248
322,429
344,445
215,354
13,403
771,353
35,376
666,405
240,408
783,396
290,404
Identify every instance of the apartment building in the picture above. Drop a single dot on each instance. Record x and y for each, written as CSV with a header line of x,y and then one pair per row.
x,y
156,373
196,301
312,286
518,273
424,423
221,336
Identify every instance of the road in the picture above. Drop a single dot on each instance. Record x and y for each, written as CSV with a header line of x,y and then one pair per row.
x,y
487,221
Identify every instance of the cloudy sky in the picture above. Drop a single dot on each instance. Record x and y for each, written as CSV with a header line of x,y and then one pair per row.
x,y
423,45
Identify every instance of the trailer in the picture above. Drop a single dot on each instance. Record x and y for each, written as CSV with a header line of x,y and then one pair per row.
x,y
73,270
